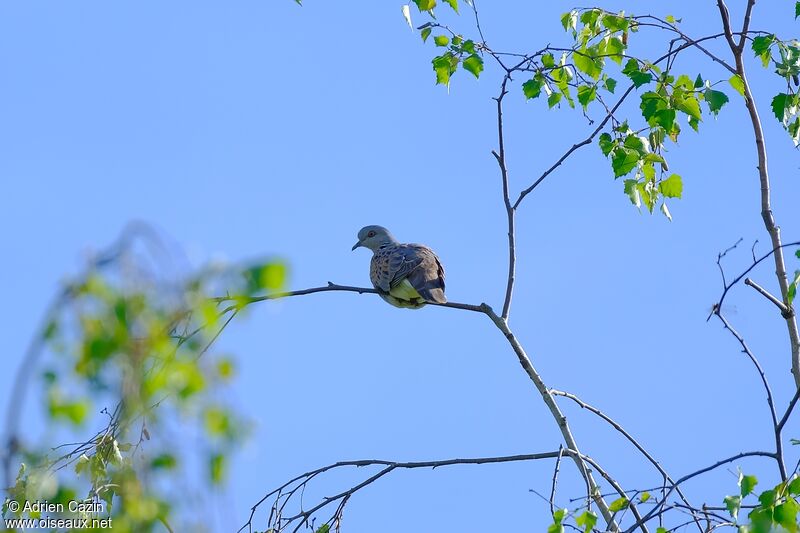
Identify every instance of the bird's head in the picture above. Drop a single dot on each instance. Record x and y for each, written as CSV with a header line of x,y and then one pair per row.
x,y
373,237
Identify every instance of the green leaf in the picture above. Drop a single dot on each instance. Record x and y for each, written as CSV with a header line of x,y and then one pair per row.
x,y
615,23
779,107
672,187
548,61
553,100
558,518
441,40
610,84
606,143
216,468
614,48
407,16
636,143
269,276
444,66
747,484
533,87
793,287
425,33
796,10
453,4
586,520
586,94
324,528
619,504
569,20
632,191
81,464
737,83
794,130
685,82
690,106
425,5
638,77
761,520
715,100
623,160
587,64
651,104
644,497
665,211
785,514
767,498
794,486
698,82
761,48
164,461
473,64
732,504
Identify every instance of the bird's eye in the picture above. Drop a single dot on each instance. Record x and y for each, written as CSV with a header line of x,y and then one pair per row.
x,y
371,234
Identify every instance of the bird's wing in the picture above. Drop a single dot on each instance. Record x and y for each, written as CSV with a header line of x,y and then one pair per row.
x,y
420,266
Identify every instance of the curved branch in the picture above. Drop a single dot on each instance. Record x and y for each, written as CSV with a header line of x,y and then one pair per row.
x,y
655,510
524,361
389,467
630,439
500,155
756,262
776,428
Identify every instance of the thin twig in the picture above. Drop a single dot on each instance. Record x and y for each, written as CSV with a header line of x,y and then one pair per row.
x,y
500,155
555,480
659,508
766,294
776,428
628,436
389,466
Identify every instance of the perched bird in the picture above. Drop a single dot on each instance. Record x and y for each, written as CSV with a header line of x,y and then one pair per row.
x,y
406,275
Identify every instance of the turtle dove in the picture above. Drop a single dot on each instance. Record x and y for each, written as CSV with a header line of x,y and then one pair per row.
x,y
406,275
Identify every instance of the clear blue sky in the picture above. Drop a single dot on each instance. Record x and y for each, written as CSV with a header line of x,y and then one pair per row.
x,y
261,128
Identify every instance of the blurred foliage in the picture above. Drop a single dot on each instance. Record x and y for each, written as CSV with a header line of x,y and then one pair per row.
x,y
126,362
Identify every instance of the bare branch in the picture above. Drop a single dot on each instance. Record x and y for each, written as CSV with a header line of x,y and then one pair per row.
x,y
555,481
745,25
658,509
727,287
524,361
628,436
776,429
559,417
770,225
389,467
792,403
726,23
764,292
500,155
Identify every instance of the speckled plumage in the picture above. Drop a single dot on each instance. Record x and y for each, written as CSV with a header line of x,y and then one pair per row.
x,y
407,275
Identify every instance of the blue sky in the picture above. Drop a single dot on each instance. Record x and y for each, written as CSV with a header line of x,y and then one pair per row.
x,y
258,128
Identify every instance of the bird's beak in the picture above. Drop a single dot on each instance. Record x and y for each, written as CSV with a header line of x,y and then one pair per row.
x,y
356,245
